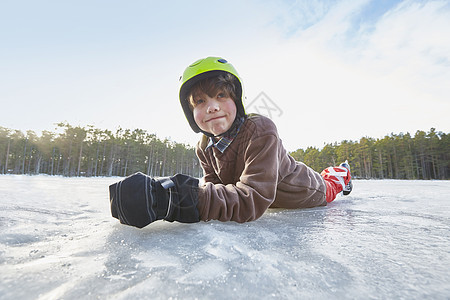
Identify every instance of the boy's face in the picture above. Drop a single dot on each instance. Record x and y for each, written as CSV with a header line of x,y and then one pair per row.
x,y
214,114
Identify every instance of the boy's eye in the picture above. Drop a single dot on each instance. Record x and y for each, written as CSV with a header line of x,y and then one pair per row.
x,y
221,95
199,101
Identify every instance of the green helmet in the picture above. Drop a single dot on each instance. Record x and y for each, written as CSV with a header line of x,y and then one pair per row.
x,y
202,69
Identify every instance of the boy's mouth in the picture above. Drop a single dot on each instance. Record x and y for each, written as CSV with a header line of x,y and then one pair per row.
x,y
215,118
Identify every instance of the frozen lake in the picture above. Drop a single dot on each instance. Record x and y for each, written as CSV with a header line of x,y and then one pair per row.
x,y
388,239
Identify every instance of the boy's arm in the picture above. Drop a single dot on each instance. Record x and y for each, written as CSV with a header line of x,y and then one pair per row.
x,y
255,191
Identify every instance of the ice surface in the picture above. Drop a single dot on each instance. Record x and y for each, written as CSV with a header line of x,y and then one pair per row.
x,y
388,239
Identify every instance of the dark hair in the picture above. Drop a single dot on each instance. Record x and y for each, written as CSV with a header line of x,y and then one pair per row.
x,y
225,83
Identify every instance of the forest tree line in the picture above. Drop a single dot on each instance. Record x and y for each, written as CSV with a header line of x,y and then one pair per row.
x,y
425,155
89,151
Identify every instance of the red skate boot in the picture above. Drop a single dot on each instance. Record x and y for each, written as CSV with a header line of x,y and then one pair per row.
x,y
337,179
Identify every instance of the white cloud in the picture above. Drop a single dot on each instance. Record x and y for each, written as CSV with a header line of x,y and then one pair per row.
x,y
336,82
413,41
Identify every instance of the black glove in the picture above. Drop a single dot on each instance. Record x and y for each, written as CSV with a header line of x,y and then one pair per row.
x,y
139,200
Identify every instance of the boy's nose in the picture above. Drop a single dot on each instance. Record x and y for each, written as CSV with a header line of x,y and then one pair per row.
x,y
213,107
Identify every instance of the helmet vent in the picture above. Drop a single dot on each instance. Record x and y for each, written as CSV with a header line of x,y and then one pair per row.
x,y
224,61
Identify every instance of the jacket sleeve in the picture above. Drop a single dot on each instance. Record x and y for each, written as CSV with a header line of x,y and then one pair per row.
x,y
209,175
255,191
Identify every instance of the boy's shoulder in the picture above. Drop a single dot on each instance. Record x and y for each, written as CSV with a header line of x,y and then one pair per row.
x,y
260,125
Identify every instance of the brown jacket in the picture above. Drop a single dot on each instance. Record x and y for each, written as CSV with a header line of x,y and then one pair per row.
x,y
254,173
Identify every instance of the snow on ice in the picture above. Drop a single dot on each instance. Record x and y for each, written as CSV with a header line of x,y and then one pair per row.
x,y
388,239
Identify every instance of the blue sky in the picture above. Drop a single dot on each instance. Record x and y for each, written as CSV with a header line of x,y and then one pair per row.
x,y
336,69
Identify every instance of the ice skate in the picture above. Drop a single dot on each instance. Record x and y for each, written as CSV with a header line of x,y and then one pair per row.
x,y
349,186
337,179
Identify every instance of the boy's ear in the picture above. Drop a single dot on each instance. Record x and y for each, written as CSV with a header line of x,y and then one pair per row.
x,y
189,102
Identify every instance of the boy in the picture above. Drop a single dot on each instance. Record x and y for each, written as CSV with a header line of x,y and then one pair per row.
x,y
246,168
